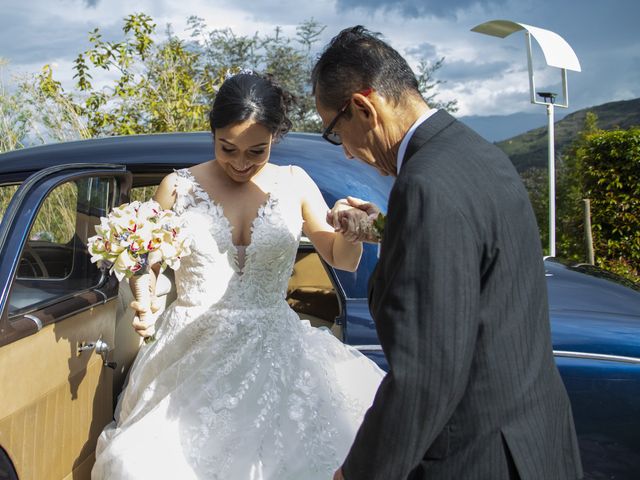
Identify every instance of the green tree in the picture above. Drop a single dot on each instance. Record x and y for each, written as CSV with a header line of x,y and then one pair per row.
x,y
570,194
54,114
36,111
603,166
536,181
14,120
288,60
167,84
159,88
427,84
177,92
117,109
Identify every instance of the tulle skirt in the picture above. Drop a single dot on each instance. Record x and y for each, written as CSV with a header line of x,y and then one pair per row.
x,y
251,393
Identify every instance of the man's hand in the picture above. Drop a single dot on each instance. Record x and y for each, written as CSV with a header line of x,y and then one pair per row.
x,y
354,219
338,475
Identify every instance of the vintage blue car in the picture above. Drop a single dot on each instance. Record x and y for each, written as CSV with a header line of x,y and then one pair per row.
x,y
66,340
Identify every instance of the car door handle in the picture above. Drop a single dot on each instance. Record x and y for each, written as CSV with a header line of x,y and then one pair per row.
x,y
101,347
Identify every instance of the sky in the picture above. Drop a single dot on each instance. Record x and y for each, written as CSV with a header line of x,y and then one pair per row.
x,y
487,75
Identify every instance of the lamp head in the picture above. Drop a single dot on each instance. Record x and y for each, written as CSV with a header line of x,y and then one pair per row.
x,y
548,97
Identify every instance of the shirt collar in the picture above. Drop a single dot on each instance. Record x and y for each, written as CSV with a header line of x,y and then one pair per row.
x,y
405,141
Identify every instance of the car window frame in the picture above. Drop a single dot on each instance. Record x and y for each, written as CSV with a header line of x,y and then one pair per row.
x,y
14,230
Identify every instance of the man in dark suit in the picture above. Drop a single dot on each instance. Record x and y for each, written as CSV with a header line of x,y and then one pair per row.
x,y
459,295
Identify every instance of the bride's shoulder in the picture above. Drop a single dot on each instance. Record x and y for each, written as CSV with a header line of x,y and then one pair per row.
x,y
177,183
199,169
294,172
166,192
295,178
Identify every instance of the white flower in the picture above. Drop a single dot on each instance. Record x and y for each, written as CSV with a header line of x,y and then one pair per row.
x,y
148,210
135,230
124,263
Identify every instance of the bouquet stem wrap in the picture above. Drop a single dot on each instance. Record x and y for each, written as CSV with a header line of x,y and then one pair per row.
x,y
142,292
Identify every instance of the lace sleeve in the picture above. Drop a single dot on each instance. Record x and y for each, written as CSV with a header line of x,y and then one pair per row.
x,y
182,190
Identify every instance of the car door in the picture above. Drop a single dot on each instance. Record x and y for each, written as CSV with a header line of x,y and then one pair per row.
x,y
56,308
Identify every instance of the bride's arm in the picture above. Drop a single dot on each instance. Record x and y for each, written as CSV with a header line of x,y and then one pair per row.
x,y
166,192
334,248
166,196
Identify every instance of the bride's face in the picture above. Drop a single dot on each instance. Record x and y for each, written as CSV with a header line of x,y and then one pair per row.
x,y
242,149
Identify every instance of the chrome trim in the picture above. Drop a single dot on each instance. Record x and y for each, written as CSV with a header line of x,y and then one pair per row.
x,y
104,295
596,356
304,240
375,348
557,353
35,320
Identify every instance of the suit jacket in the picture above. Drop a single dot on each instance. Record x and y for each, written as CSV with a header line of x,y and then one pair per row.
x,y
460,304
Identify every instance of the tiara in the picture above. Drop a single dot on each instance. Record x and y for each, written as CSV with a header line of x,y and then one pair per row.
x,y
242,71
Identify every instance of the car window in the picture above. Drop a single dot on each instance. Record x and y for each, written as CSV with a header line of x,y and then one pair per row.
x,y
143,194
6,192
55,263
56,219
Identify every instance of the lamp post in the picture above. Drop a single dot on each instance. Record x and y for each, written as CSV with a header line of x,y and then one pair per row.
x,y
557,53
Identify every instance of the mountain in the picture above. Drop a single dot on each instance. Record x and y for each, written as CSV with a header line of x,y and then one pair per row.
x,y
499,127
530,149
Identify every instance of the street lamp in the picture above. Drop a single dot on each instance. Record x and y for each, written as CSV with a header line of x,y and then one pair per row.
x,y
557,53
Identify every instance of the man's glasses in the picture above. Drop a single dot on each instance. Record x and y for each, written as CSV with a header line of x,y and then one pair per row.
x,y
329,135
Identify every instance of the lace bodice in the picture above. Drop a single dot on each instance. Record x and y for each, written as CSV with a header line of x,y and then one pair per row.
x,y
213,271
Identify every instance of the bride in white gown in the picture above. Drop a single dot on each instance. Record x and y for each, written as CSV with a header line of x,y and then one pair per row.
x,y
235,386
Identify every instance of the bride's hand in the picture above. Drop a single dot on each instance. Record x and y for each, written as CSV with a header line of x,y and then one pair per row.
x,y
144,329
354,219
336,214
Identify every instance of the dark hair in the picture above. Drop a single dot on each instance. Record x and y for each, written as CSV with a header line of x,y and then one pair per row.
x,y
357,59
251,96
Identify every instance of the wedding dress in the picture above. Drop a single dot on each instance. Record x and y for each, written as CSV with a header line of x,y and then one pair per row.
x,y
236,386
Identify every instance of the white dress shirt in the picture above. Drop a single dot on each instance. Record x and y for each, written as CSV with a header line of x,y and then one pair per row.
x,y
407,137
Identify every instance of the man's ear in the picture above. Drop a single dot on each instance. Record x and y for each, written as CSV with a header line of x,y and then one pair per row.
x,y
364,106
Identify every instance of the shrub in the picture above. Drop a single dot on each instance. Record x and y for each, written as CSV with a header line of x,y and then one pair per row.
x,y
610,176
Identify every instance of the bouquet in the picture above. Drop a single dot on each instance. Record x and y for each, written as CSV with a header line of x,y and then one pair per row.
x,y
135,236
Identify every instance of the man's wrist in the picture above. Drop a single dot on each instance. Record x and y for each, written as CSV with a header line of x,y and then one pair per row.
x,y
368,232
